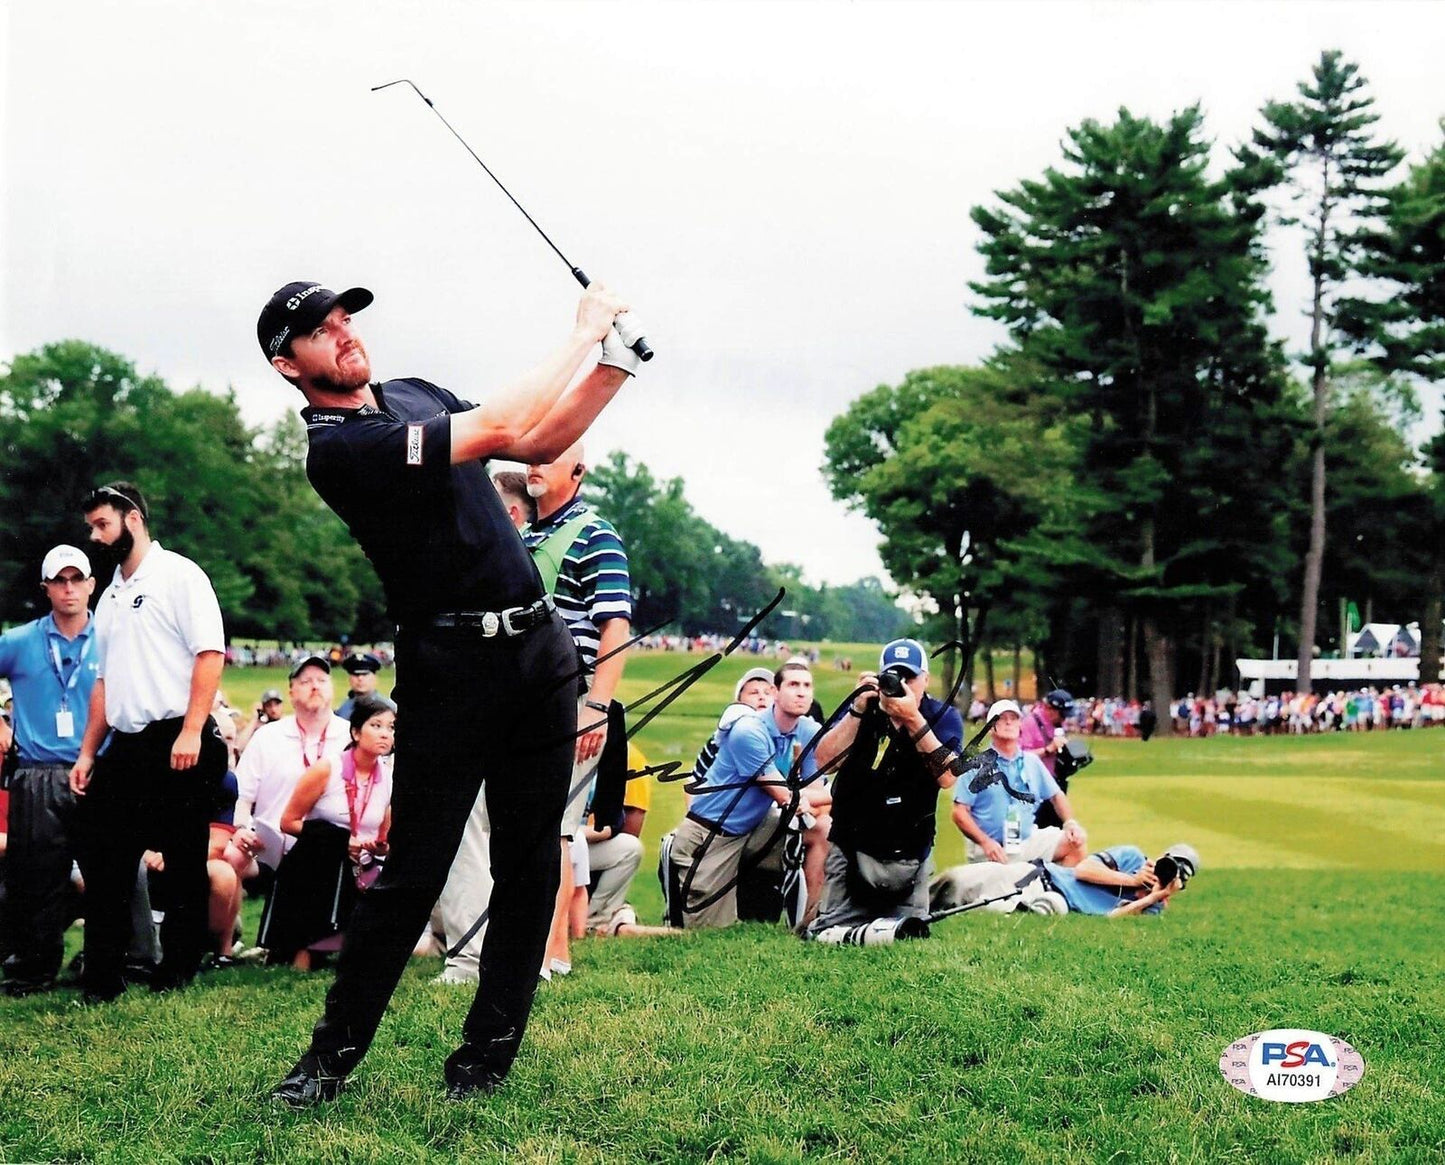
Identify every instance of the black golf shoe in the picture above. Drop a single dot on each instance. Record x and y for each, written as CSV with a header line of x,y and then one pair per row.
x,y
20,988
465,1079
308,1084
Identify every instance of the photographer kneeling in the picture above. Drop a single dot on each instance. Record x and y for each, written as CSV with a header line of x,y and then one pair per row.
x,y
878,867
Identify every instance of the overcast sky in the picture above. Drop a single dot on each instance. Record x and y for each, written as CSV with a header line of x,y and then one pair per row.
x,y
781,189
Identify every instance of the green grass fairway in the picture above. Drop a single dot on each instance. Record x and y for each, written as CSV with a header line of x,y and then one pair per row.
x,y
1000,1039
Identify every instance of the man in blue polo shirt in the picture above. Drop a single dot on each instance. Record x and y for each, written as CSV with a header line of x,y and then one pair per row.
x,y
1120,880
764,761
994,805
51,664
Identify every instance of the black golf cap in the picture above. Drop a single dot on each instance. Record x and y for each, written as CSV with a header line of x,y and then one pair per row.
x,y
299,307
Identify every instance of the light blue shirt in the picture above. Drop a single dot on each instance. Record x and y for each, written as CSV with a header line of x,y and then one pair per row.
x,y
1086,897
752,749
49,673
990,806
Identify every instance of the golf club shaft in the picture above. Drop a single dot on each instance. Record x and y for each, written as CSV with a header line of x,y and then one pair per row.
x,y
640,345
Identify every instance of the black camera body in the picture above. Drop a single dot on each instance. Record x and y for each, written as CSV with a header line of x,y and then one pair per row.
x,y
1167,867
890,683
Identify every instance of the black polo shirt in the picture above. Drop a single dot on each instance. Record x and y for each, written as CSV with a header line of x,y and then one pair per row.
x,y
437,533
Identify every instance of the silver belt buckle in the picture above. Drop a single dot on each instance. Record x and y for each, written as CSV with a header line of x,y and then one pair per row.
x,y
507,619
491,621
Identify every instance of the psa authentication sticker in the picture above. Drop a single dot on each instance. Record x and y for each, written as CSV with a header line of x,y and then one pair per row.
x,y
413,444
1292,1064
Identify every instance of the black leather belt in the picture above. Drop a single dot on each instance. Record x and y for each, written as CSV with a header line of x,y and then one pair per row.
x,y
710,826
512,621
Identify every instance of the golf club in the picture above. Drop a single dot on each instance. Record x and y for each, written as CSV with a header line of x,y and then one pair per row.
x,y
629,330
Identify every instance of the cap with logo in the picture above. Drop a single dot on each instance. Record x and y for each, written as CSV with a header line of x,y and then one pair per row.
x,y
756,673
360,664
905,655
1059,699
59,558
999,707
297,308
270,695
311,661
1185,854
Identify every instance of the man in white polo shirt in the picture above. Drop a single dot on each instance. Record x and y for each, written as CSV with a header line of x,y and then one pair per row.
x,y
161,643
277,756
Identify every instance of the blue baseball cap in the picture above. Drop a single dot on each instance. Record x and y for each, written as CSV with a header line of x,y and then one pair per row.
x,y
904,655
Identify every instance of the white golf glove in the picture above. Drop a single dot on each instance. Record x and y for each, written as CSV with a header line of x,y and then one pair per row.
x,y
616,354
629,327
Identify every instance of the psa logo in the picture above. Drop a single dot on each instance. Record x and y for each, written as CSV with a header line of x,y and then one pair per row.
x,y
1299,1054
1291,1064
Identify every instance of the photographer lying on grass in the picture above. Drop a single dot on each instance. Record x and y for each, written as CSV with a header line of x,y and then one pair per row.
x,y
1120,880
1115,882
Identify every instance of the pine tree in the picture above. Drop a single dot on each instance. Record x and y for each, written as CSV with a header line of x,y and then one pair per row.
x,y
1135,280
1403,330
1324,143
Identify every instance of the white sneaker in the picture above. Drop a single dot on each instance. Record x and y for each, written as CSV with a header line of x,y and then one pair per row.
x,y
452,977
1049,902
561,967
624,915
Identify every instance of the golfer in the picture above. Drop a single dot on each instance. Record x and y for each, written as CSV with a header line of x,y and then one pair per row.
x,y
486,671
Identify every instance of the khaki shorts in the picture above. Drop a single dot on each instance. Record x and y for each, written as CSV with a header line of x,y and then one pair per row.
x,y
712,860
1041,843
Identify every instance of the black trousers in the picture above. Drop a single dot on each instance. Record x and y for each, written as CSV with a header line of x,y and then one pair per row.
x,y
40,902
135,802
469,709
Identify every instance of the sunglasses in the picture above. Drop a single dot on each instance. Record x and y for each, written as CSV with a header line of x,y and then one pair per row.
x,y
104,495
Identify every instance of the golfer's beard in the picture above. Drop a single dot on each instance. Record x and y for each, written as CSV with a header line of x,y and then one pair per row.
x,y
349,377
108,556
535,489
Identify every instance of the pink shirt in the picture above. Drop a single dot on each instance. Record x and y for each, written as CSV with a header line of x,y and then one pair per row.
x,y
1034,734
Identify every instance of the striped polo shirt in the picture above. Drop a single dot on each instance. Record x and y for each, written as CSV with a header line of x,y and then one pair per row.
x,y
593,585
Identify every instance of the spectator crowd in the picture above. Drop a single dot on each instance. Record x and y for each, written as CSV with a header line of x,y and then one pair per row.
x,y
826,818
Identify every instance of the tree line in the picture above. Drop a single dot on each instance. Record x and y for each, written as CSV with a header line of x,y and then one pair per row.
x,y
236,499
1140,483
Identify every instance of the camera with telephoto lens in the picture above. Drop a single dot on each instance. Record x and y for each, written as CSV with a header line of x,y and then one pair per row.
x,y
890,683
1169,866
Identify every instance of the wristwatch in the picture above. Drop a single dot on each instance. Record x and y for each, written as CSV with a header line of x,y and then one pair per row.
x,y
595,706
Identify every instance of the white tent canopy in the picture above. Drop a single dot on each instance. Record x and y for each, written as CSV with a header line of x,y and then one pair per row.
x,y
1385,639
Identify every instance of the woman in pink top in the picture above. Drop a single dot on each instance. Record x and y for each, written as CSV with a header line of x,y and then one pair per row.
x,y
340,814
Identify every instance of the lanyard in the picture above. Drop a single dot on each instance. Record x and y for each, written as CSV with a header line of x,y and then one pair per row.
x,y
306,761
56,666
349,782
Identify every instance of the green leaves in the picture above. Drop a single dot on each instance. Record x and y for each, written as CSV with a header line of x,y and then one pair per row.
x,y
73,415
687,572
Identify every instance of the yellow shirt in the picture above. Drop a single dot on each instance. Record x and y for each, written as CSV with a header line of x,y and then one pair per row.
x,y
638,794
